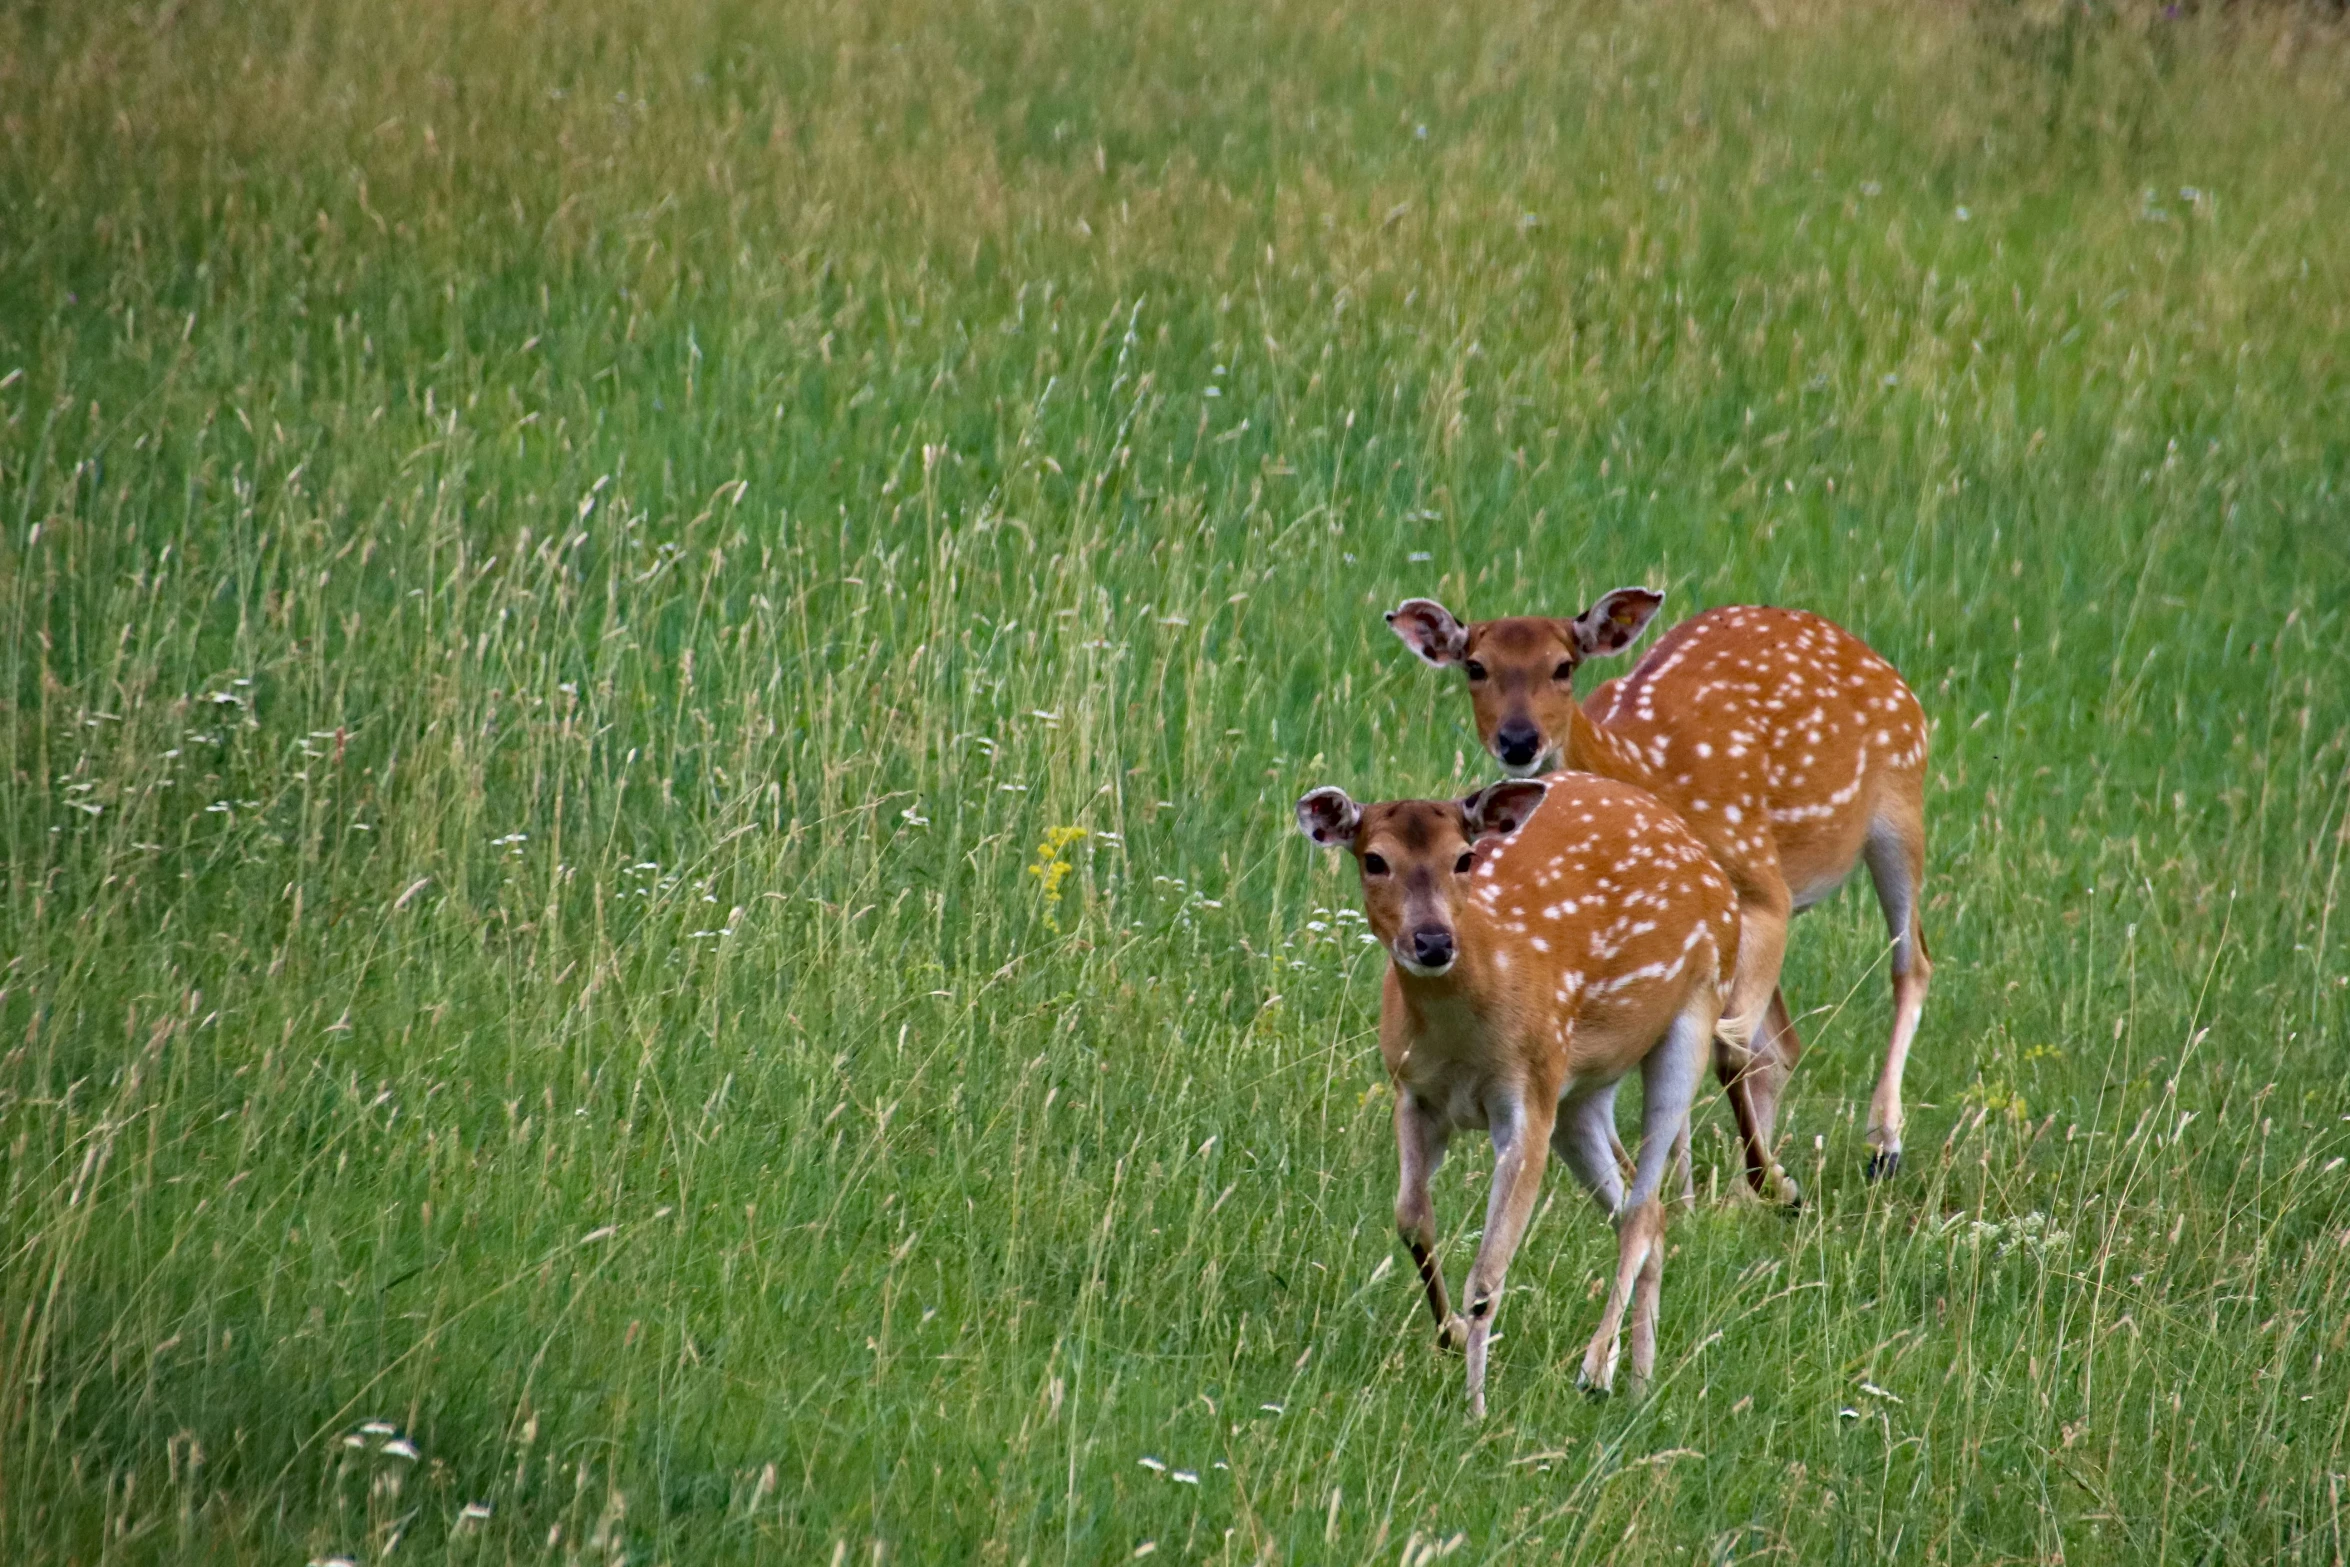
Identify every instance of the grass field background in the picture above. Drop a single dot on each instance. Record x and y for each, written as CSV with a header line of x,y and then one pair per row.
x,y
573,573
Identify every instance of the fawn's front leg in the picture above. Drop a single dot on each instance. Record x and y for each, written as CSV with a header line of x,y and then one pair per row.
x,y
1419,1147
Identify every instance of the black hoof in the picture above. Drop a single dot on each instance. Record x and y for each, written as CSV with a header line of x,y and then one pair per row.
x,y
1884,1166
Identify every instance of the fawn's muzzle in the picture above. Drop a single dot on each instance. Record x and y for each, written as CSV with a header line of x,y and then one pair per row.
x,y
1517,743
1432,947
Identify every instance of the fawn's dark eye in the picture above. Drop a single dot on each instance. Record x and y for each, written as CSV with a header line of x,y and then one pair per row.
x,y
1373,865
1475,669
1565,671
1460,867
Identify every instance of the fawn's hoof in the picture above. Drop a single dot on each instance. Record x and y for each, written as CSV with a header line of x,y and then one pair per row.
x,y
1775,1188
1884,1166
1596,1375
1453,1337
1790,1200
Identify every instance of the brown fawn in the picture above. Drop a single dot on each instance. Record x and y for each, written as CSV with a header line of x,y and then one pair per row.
x,y
1786,745
1536,956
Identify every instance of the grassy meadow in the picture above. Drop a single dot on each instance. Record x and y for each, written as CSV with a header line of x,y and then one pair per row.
x,y
656,657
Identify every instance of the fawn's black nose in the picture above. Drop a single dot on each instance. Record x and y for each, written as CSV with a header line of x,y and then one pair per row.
x,y
1517,743
1432,946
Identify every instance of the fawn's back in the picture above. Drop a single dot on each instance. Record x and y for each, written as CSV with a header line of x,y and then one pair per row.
x,y
1581,936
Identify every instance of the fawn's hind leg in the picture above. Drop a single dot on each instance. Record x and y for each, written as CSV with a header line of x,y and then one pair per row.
x,y
1668,1081
1896,854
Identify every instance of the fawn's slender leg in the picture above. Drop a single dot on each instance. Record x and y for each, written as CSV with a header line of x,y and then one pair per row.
x,y
1644,1303
1584,1138
1419,1146
1777,1047
1521,1147
1669,1081
1896,853
1625,1165
1687,1168
1762,947
1581,1142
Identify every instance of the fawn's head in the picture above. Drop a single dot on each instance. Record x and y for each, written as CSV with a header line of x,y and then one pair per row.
x,y
1416,857
1521,670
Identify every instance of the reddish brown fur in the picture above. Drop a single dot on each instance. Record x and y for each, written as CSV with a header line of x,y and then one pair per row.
x,y
1787,745
1581,942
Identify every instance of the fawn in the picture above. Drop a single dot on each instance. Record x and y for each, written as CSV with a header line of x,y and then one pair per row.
x,y
1537,955
1786,745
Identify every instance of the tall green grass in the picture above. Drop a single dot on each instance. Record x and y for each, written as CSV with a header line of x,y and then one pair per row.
x,y
570,572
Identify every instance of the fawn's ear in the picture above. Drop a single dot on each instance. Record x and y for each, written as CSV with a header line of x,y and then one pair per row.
x,y
1497,810
1615,622
1428,629
1329,818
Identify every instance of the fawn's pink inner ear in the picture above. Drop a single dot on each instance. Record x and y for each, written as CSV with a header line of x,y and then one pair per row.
x,y
1327,816
1504,808
1429,629
1616,621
